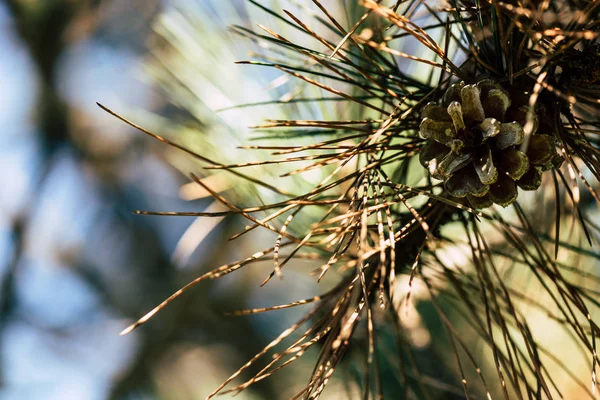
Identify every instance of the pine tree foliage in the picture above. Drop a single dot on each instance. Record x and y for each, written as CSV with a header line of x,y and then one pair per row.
x,y
440,130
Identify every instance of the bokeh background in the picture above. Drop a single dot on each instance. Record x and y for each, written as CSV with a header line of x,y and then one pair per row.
x,y
76,264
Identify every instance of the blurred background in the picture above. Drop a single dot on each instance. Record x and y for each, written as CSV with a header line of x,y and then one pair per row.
x,y
77,266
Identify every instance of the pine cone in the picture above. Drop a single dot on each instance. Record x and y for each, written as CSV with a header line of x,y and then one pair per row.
x,y
472,142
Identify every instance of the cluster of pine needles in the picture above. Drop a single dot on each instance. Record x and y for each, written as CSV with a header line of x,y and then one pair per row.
x,y
376,215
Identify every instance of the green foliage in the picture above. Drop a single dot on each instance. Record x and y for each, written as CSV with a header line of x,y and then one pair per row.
x,y
355,80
